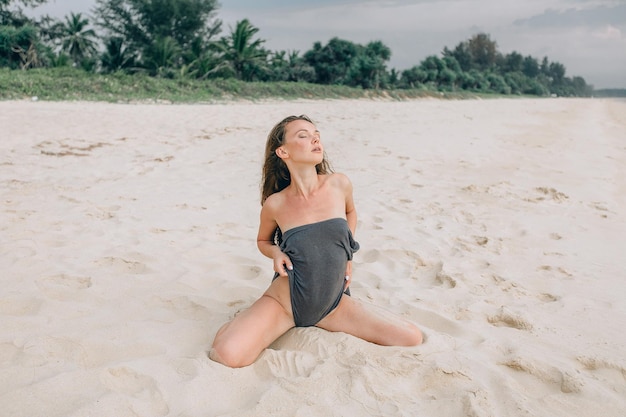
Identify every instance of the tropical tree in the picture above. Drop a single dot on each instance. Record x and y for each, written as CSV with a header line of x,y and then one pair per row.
x,y
368,68
513,62
202,60
78,41
297,68
432,65
530,67
556,71
413,77
20,47
479,52
243,52
483,51
20,41
12,12
145,25
461,54
116,55
161,57
332,61
498,84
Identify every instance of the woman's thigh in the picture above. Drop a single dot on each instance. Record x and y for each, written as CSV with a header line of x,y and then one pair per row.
x,y
371,323
241,341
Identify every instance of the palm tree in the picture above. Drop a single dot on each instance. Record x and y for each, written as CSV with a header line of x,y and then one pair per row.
x,y
117,56
162,57
244,54
78,41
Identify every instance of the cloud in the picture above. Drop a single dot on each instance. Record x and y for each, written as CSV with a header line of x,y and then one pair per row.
x,y
608,32
599,16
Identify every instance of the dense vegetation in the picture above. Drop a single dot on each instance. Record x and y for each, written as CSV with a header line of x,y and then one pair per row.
x,y
177,46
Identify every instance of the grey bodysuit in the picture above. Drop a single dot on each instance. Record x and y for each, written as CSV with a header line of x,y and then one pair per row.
x,y
319,253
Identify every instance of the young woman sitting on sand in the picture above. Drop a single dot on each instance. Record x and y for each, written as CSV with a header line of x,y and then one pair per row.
x,y
308,221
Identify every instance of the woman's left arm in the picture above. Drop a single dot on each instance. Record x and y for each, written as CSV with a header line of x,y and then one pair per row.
x,y
346,187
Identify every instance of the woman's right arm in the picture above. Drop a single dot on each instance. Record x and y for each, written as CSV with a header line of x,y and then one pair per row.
x,y
265,240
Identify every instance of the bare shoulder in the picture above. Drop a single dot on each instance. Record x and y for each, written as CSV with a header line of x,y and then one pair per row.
x,y
340,180
272,204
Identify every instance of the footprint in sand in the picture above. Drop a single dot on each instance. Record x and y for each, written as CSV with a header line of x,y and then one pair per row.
x,y
441,324
182,306
68,147
242,268
560,270
601,207
404,263
19,305
566,381
509,286
62,286
609,371
48,349
126,381
506,318
431,274
470,243
121,265
547,193
548,298
102,213
288,363
478,404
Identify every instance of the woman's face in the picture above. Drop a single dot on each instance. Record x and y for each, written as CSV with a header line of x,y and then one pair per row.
x,y
302,142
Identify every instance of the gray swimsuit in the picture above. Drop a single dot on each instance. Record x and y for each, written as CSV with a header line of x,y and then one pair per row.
x,y
319,253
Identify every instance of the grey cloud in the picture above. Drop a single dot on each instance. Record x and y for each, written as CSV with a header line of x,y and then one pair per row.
x,y
592,17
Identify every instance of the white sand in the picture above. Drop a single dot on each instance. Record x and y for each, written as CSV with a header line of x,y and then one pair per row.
x,y
127,237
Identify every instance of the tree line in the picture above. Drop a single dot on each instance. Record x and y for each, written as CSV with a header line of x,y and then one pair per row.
x,y
183,39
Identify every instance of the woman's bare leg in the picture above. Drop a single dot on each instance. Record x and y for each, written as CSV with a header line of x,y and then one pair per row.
x,y
371,323
240,342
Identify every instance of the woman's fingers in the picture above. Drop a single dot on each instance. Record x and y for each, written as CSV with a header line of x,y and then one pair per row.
x,y
282,264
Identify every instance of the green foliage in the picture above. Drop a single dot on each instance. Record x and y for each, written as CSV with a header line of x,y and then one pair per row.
x,y
176,40
368,69
530,67
116,57
412,77
156,32
479,52
21,47
476,65
331,62
161,57
12,12
242,52
78,41
498,84
69,83
346,63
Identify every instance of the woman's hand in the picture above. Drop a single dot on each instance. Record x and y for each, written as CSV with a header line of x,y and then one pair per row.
x,y
282,263
348,275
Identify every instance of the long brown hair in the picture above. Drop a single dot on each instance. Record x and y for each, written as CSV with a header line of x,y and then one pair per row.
x,y
276,175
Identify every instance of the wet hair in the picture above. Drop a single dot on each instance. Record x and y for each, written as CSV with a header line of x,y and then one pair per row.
x,y
276,175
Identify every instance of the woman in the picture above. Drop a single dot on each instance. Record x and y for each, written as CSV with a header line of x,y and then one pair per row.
x,y
307,224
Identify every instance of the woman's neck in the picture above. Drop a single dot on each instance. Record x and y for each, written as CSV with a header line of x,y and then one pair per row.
x,y
304,182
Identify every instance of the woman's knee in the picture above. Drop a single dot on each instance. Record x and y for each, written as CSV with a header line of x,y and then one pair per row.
x,y
413,336
227,353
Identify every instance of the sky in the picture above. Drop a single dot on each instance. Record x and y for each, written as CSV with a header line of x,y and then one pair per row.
x,y
587,36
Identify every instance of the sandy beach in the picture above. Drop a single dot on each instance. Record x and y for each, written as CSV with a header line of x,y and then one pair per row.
x,y
128,237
